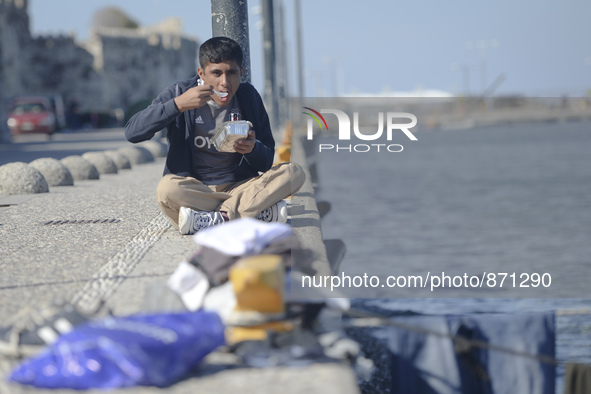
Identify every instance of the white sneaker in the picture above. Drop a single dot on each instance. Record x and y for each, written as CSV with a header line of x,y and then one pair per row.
x,y
191,221
276,213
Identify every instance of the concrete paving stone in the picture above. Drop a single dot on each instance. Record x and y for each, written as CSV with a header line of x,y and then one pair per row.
x,y
218,375
80,168
137,154
103,163
55,172
120,160
154,269
37,256
15,199
44,262
157,148
21,178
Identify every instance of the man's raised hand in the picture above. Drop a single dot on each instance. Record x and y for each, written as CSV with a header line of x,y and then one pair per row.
x,y
194,98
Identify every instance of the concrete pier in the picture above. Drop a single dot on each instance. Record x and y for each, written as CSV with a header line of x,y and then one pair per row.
x,y
107,240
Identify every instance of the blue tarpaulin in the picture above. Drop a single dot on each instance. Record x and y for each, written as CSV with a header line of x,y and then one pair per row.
x,y
145,349
423,362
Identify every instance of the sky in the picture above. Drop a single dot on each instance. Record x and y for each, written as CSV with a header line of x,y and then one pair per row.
x,y
528,47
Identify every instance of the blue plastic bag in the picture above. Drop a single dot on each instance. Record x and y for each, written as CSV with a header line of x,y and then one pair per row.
x,y
148,350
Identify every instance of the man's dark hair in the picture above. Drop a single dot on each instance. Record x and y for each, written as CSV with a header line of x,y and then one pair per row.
x,y
219,49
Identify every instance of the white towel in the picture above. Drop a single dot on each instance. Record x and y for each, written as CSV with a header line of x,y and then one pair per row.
x,y
190,284
242,237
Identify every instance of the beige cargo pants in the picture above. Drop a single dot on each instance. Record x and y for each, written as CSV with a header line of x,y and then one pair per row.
x,y
242,199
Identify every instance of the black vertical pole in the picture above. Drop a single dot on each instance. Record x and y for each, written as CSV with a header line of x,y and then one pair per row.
x,y
282,68
229,18
299,69
4,133
299,51
269,52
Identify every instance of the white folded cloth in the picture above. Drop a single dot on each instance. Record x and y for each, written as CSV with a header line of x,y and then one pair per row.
x,y
242,237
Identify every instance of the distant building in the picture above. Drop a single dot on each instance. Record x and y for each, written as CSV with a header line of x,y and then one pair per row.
x,y
136,64
114,69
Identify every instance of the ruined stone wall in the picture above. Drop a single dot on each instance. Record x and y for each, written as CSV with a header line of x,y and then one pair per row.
x,y
56,64
113,70
137,64
14,38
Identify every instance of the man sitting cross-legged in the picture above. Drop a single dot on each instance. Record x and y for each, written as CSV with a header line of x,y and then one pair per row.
x,y
202,186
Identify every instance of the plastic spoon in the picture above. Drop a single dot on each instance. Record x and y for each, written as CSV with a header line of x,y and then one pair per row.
x,y
221,94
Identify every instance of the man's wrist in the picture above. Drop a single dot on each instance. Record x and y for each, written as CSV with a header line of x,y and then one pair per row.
x,y
176,104
254,147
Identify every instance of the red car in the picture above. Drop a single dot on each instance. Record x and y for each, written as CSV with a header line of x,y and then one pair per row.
x,y
33,114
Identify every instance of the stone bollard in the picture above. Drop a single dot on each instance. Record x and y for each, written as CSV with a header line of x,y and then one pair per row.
x,y
21,178
102,162
157,148
80,168
120,160
54,171
137,154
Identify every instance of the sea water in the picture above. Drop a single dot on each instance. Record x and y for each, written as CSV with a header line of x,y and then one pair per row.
x,y
513,198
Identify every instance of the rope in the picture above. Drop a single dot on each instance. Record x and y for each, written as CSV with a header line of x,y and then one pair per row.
x,y
366,319
570,312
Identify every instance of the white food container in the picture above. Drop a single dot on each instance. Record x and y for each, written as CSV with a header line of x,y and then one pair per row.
x,y
230,132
